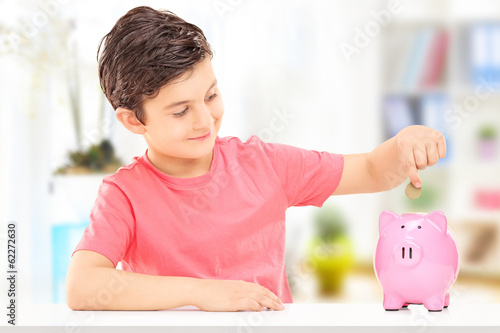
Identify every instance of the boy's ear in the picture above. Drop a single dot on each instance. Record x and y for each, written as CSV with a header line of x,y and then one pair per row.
x,y
129,120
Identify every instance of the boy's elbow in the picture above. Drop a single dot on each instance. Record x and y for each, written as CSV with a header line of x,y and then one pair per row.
x,y
73,304
74,299
83,280
76,289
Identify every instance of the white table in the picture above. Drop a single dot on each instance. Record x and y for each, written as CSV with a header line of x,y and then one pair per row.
x,y
295,318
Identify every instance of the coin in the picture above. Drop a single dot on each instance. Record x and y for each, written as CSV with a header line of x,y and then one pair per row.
x,y
412,192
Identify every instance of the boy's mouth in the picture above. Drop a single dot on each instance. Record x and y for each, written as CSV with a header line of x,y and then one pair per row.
x,y
203,137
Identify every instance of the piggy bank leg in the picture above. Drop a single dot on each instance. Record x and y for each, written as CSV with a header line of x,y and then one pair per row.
x,y
434,303
446,300
393,302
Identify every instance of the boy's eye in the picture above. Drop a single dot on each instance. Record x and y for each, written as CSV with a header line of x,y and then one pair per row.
x,y
211,97
183,112
180,114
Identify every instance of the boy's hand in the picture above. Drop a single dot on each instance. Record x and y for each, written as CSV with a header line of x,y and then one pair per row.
x,y
230,295
419,147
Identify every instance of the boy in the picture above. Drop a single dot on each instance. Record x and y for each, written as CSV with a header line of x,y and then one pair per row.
x,y
200,220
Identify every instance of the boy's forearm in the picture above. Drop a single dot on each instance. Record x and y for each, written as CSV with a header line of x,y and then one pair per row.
x,y
413,148
376,171
105,288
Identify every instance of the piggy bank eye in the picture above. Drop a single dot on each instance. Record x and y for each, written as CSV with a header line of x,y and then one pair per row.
x,y
402,227
419,227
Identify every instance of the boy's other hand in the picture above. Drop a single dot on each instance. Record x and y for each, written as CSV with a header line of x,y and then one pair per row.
x,y
231,295
419,147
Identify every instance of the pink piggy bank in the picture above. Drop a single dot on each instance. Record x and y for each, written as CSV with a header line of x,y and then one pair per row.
x,y
416,260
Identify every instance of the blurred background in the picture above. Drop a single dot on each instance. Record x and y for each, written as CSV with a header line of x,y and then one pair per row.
x,y
340,76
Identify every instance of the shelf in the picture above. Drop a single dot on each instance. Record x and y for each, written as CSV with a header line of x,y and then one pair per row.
x,y
458,181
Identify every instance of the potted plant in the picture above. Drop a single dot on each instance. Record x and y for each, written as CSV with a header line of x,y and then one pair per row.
x,y
98,158
330,251
80,177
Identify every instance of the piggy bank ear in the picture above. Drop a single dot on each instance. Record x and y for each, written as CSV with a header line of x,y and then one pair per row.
x,y
438,218
386,218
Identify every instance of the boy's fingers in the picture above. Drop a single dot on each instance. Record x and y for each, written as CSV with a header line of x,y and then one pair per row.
x,y
441,144
268,299
413,172
253,305
415,178
271,304
268,293
272,296
420,158
432,154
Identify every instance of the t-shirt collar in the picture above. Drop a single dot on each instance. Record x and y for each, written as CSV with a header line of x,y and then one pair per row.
x,y
185,182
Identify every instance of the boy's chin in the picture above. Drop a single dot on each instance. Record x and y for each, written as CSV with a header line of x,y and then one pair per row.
x,y
201,149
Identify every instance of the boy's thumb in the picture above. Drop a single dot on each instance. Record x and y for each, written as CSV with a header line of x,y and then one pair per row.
x,y
415,179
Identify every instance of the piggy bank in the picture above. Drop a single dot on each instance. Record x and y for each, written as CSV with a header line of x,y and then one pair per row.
x,y
416,260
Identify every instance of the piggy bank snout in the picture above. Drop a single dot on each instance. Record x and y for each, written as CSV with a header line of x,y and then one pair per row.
x,y
407,253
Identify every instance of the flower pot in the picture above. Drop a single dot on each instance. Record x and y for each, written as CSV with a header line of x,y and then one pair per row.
x,y
331,261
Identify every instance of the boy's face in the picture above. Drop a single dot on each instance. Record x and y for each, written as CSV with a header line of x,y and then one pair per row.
x,y
183,120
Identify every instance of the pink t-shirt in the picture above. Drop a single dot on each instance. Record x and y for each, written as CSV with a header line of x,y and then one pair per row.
x,y
226,224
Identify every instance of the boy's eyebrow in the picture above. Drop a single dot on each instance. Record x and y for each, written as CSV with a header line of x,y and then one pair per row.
x,y
186,101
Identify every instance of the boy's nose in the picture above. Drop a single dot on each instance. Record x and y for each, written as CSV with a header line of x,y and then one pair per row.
x,y
202,119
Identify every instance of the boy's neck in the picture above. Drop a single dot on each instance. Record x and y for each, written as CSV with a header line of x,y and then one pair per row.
x,y
181,167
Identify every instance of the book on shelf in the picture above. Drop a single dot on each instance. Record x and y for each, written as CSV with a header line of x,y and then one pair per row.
x,y
426,62
484,48
436,60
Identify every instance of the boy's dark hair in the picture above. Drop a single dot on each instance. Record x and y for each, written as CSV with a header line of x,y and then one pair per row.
x,y
145,50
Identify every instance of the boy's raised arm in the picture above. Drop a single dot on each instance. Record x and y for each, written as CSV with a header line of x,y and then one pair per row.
x,y
388,165
92,283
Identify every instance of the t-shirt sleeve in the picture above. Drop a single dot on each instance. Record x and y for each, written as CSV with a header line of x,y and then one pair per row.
x,y
308,177
111,227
